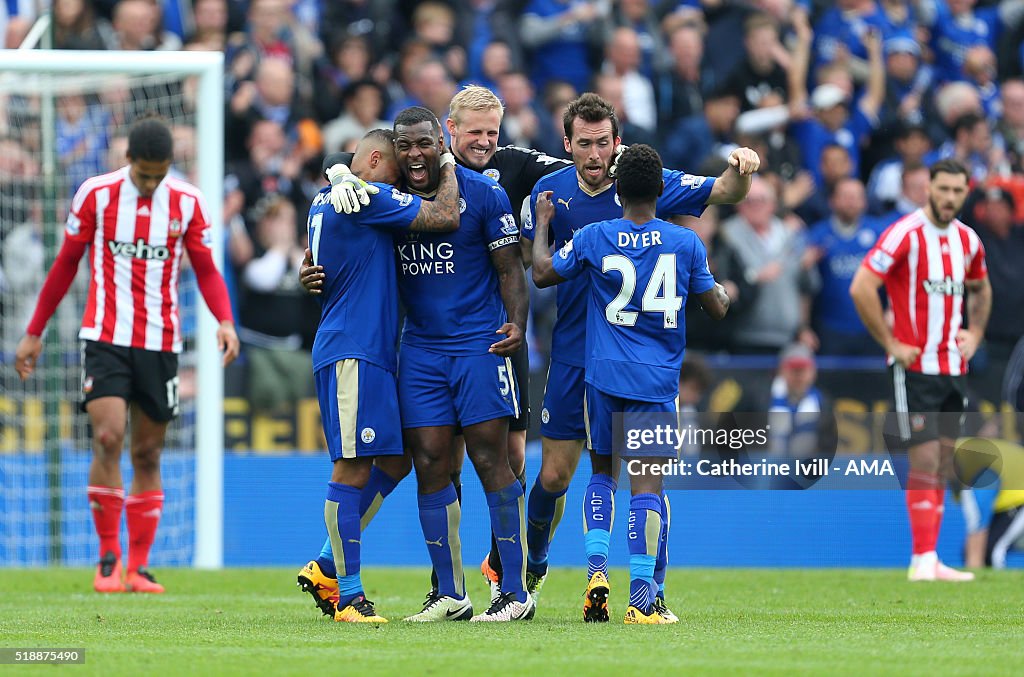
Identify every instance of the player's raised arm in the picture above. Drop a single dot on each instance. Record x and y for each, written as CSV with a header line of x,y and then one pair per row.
x,y
734,183
544,274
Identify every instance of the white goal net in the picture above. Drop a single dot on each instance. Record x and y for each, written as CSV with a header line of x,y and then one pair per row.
x,y
58,127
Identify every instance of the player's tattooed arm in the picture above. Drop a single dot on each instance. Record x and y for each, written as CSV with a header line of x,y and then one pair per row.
x,y
979,307
442,214
715,302
544,274
512,281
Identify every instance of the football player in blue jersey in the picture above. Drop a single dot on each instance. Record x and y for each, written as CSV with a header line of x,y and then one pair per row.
x,y
461,292
634,339
584,194
355,358
474,122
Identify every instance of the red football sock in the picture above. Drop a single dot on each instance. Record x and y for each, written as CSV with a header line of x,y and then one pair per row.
x,y
143,515
106,503
940,507
921,504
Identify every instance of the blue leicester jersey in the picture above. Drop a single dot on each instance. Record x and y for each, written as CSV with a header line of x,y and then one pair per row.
x,y
842,255
639,277
576,207
447,281
359,302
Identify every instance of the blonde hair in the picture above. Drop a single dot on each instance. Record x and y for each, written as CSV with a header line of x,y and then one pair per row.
x,y
474,97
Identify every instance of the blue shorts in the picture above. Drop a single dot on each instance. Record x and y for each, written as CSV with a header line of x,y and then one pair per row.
x,y
359,409
436,389
602,410
562,415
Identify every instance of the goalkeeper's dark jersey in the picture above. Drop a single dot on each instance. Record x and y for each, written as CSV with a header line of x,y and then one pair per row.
x,y
517,169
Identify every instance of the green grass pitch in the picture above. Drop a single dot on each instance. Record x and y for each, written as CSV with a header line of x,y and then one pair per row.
x,y
736,621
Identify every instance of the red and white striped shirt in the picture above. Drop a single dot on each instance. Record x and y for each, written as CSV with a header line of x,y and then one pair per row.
x,y
137,244
925,268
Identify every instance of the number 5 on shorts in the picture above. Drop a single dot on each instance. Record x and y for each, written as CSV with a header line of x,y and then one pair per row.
x,y
506,386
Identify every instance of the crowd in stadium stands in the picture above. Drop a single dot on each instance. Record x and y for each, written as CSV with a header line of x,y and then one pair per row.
x,y
846,102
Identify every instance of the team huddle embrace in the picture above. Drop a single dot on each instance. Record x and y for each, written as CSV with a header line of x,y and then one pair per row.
x,y
406,220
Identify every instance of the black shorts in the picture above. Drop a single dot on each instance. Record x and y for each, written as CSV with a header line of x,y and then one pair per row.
x,y
148,378
521,367
927,406
1004,531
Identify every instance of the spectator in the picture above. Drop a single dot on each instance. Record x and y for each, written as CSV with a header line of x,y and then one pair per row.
x,y
906,83
703,333
273,165
836,247
81,138
694,382
801,424
363,107
274,311
638,15
841,32
698,137
520,126
953,101
557,96
623,58
371,21
1011,124
979,70
495,61
913,192
346,62
971,145
558,35
1003,239
210,29
835,164
763,71
433,88
266,36
770,255
956,26
610,88
679,92
75,26
270,97
137,27
434,24
831,119
884,187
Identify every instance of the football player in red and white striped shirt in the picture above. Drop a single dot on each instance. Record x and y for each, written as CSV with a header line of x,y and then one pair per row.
x,y
137,221
927,260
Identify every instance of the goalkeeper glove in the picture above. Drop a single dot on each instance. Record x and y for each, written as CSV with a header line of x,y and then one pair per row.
x,y
615,160
348,191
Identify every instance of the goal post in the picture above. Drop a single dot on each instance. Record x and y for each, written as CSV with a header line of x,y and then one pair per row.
x,y
47,71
